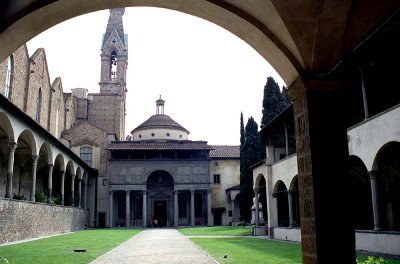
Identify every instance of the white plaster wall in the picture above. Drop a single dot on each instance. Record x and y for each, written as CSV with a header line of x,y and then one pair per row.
x,y
387,243
229,171
366,138
284,170
289,234
159,133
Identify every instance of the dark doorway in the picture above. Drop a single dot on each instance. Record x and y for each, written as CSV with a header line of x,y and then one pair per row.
x,y
160,212
217,217
102,220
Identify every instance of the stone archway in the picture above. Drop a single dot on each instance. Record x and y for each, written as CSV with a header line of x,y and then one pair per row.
x,y
160,186
310,38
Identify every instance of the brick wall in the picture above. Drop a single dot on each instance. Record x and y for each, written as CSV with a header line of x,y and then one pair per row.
x,y
20,76
39,79
107,112
56,108
23,220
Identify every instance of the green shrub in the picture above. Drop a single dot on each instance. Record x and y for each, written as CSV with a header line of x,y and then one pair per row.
x,y
55,200
371,260
40,197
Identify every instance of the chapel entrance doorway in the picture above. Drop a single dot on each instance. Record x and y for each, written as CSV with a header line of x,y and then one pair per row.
x,y
160,212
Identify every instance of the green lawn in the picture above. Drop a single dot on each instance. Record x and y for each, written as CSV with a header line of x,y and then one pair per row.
x,y
250,250
217,231
59,249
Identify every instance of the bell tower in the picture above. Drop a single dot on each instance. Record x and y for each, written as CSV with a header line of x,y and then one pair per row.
x,y
107,109
114,55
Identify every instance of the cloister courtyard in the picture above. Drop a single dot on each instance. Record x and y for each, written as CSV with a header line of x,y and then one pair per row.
x,y
223,244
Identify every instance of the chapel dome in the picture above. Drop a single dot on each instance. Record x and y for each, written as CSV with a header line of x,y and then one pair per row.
x,y
160,127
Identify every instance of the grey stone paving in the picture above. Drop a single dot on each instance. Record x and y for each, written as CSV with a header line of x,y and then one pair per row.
x,y
157,246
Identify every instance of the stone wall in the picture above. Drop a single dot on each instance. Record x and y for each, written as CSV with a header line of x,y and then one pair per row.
x,y
23,220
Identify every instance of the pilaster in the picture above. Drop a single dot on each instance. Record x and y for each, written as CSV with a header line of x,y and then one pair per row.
x,y
322,155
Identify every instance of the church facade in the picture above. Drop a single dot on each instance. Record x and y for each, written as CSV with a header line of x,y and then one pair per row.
x,y
156,173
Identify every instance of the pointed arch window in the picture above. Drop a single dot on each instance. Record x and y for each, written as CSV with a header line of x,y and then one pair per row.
x,y
9,76
38,105
57,120
113,66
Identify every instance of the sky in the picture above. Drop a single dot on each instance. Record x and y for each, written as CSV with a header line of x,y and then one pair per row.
x,y
206,75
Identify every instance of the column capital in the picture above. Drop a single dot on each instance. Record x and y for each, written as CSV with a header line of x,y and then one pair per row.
x,y
51,165
12,146
256,190
373,174
35,159
62,171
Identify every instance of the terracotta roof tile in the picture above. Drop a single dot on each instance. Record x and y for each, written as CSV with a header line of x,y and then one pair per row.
x,y
154,145
223,151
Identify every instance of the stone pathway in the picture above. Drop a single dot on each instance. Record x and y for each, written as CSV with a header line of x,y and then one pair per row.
x,y
157,246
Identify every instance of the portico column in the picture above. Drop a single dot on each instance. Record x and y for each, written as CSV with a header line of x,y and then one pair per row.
x,y
322,153
10,170
50,183
144,208
62,184
192,207
176,206
79,193
257,208
85,197
374,195
72,190
233,210
111,213
35,159
209,215
290,195
128,209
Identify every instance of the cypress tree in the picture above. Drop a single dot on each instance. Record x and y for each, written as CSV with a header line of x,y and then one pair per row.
x,y
250,154
274,101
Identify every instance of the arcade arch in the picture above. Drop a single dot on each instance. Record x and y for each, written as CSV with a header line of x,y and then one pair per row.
x,y
361,199
387,172
280,193
294,40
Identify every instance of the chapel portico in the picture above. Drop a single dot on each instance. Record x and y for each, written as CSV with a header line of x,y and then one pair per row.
x,y
159,174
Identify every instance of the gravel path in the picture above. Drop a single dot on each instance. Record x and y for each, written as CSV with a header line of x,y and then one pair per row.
x,y
156,246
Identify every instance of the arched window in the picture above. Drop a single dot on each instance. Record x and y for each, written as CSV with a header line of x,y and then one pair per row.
x,y
38,105
9,76
86,155
113,66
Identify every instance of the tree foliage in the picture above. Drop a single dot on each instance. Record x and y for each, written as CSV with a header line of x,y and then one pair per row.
x,y
250,154
274,101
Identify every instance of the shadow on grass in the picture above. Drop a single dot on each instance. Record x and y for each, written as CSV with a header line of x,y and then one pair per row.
x,y
60,249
